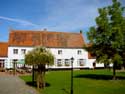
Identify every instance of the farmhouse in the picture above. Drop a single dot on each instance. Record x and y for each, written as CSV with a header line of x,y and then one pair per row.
x,y
63,45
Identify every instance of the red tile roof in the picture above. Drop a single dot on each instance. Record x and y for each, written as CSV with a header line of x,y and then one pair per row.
x,y
3,49
45,38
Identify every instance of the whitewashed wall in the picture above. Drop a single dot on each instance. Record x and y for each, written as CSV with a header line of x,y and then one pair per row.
x,y
91,61
16,56
67,53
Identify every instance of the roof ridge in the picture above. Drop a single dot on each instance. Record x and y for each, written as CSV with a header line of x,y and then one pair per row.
x,y
43,31
3,42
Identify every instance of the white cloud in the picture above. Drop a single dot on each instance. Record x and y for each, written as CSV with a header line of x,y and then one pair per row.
x,y
19,21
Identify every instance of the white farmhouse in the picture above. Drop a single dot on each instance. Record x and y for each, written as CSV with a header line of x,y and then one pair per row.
x,y
63,45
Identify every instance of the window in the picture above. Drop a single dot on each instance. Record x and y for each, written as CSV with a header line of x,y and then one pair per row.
x,y
23,51
21,61
59,52
59,62
14,60
79,52
81,62
67,62
2,63
15,51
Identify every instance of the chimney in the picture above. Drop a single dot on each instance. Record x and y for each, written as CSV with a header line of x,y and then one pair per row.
x,y
81,31
45,29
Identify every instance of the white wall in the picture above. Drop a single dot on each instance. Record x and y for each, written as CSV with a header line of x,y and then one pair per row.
x,y
16,56
19,55
91,61
67,53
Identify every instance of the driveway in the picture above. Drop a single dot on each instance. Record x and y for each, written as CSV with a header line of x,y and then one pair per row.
x,y
14,85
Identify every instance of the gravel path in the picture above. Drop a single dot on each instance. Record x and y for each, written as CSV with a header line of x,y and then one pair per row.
x,y
14,85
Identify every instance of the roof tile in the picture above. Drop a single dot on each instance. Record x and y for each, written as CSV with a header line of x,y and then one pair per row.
x,y
3,49
45,38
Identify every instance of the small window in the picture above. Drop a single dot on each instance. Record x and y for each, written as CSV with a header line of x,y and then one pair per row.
x,y
15,60
59,52
67,62
15,51
23,51
81,62
79,52
59,62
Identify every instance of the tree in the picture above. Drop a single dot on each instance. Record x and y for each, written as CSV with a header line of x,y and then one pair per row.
x,y
107,38
39,57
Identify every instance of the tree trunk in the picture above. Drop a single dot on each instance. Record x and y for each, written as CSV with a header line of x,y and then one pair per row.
x,y
40,76
14,68
38,81
43,79
33,75
114,71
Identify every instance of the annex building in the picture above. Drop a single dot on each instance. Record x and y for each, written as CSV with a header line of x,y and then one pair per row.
x,y
63,45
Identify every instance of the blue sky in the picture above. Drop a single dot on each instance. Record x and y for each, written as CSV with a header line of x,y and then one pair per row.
x,y
55,15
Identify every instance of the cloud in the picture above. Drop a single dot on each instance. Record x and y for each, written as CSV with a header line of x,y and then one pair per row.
x,y
19,21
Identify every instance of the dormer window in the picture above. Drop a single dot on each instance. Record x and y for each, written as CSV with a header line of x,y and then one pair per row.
x,y
59,52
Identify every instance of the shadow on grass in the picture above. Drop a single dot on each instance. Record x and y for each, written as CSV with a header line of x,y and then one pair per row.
x,y
65,91
99,76
35,85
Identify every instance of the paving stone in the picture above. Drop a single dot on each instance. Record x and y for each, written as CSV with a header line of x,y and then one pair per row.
x,y
14,85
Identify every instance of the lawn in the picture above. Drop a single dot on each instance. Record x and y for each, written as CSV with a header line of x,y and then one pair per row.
x,y
85,82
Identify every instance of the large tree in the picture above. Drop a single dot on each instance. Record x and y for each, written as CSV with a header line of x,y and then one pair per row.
x,y
39,57
107,38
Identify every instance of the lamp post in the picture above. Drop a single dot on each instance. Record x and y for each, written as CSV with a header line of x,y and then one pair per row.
x,y
72,59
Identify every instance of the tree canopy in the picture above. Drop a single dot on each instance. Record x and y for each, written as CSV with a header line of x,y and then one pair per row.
x,y
107,38
39,55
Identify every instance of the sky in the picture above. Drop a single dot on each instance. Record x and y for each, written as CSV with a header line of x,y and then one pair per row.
x,y
54,15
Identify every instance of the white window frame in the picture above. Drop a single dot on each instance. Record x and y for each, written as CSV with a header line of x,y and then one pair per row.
x,y
79,52
23,51
59,62
81,62
59,52
67,62
15,51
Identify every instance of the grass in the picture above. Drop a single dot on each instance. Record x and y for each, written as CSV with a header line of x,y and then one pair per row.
x,y
85,82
